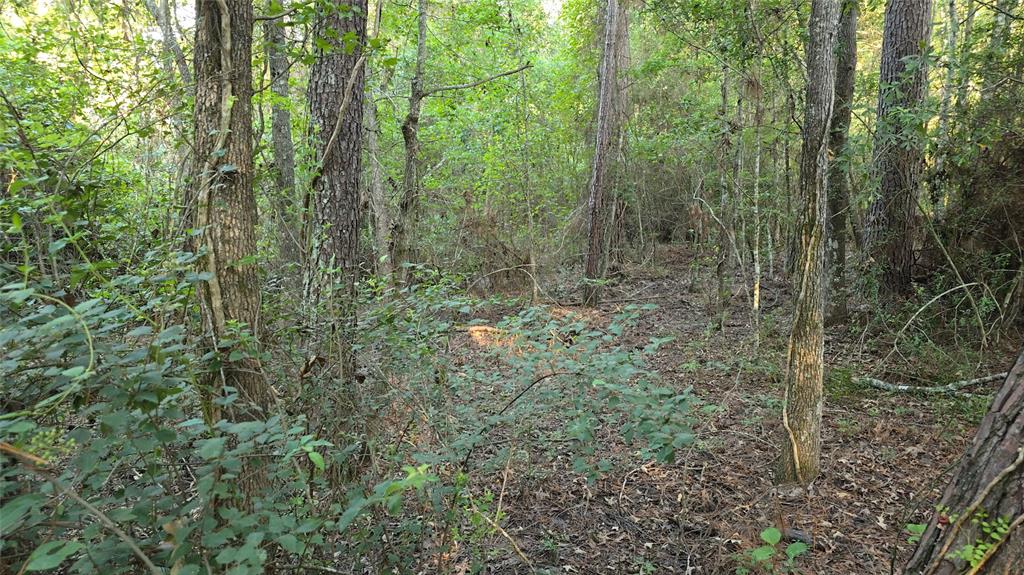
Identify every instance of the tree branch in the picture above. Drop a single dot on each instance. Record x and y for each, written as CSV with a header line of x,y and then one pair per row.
x,y
467,85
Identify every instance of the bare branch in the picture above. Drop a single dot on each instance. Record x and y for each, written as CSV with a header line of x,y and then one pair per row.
x,y
476,83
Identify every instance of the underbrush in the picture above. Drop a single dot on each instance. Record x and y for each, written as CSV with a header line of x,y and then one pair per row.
x,y
111,466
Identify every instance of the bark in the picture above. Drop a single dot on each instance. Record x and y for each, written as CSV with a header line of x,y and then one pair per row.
x,y
225,206
336,117
604,140
281,138
839,177
801,412
723,269
899,150
989,482
409,204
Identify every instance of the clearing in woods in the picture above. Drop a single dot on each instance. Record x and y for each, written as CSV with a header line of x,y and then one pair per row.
x,y
885,455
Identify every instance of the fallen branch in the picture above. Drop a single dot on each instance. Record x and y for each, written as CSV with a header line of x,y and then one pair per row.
x,y
948,388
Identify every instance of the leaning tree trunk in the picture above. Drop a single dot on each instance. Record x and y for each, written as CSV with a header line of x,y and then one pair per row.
x,y
604,137
281,138
801,411
899,149
988,486
839,179
336,114
225,207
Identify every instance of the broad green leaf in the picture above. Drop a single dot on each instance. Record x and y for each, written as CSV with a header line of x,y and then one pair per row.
x,y
50,555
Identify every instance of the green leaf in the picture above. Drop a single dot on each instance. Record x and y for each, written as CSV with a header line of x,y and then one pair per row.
x,y
14,511
50,555
771,536
317,459
796,549
212,448
351,513
762,554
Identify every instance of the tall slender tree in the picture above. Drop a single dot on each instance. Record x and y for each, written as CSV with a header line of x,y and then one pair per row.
x,y
801,411
225,206
281,137
839,178
604,141
899,149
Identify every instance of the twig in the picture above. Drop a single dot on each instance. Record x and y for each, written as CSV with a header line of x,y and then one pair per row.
x,y
465,461
31,461
948,388
504,534
476,83
309,567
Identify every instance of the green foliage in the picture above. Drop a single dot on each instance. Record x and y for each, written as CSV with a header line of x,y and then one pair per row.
x,y
768,558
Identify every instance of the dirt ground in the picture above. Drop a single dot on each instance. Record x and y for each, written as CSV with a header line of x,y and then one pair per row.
x,y
885,457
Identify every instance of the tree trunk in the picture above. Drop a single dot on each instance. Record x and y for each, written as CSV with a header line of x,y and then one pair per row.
x,y
172,49
408,207
289,247
225,209
899,149
801,412
336,116
988,486
378,197
723,269
839,177
604,139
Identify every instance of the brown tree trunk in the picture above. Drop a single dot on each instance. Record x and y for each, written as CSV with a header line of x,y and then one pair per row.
x,y
289,247
723,269
605,138
336,113
408,206
988,486
899,150
838,179
801,412
225,207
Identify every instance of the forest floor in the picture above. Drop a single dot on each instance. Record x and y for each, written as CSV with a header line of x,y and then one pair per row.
x,y
885,456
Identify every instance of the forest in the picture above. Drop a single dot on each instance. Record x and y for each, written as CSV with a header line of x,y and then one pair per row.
x,y
512,287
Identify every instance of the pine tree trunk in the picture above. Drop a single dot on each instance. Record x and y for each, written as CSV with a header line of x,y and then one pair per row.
x,y
604,138
281,137
801,412
225,206
336,84
838,179
899,149
723,269
987,486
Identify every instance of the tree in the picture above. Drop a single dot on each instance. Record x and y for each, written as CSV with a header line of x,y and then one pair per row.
x,y
281,137
801,411
898,156
605,137
839,167
336,113
225,206
408,205
172,49
987,486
